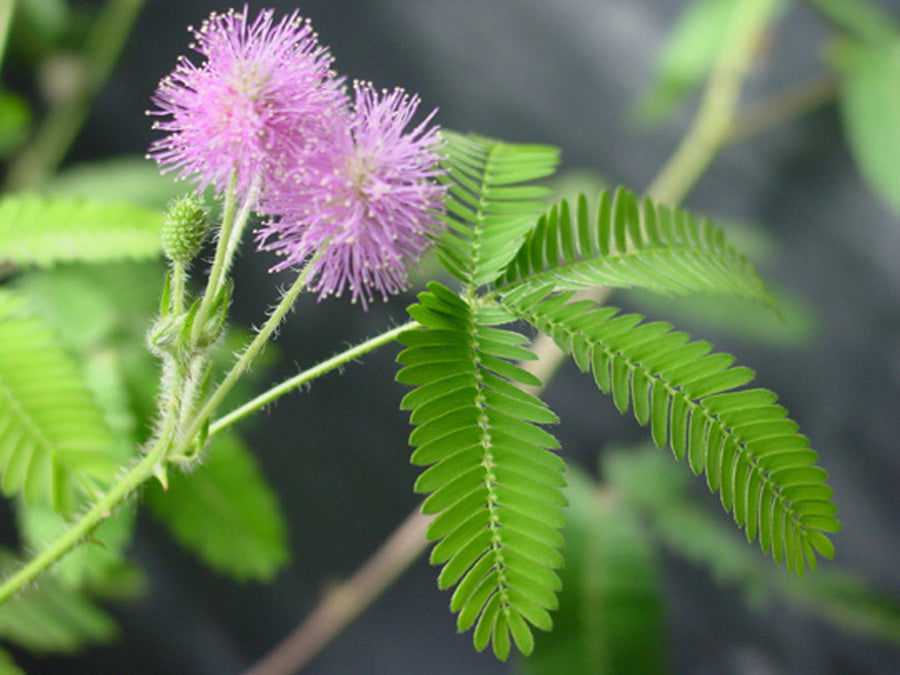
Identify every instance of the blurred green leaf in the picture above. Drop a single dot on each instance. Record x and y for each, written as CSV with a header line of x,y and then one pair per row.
x,y
862,19
51,618
650,481
849,602
128,178
8,665
38,27
610,618
687,58
15,116
42,231
226,513
870,103
734,316
51,430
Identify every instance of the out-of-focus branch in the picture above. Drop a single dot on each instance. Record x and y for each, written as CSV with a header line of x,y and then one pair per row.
x,y
66,116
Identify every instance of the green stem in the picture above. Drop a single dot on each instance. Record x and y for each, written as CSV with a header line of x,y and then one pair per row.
x,y
308,375
179,278
709,131
782,106
250,353
61,125
7,7
141,472
218,269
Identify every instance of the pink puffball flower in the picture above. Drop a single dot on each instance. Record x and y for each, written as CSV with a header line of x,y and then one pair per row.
x,y
368,203
262,99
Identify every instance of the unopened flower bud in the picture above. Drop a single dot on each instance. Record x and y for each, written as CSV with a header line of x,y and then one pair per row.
x,y
184,229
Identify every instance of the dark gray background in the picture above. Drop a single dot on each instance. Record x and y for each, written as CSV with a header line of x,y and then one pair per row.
x,y
565,73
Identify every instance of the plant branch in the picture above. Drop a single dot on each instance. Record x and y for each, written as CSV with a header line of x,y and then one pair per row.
x,y
675,179
53,138
102,510
782,106
219,266
343,603
250,353
306,376
709,131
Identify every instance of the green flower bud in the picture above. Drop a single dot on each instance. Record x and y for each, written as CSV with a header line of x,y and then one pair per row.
x,y
184,229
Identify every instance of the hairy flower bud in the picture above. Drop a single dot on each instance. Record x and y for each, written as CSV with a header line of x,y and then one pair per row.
x,y
184,229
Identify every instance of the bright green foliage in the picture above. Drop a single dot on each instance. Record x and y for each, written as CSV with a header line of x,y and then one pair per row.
x,y
870,102
493,484
52,618
51,429
610,617
741,439
226,513
489,210
37,230
629,244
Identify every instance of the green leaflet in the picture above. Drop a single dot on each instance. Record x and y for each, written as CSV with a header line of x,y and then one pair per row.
x,y
494,486
226,513
42,231
610,617
870,103
629,244
52,618
51,429
489,211
741,439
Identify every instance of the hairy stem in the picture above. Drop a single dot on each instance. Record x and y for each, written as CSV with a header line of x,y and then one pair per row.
x,y
102,510
251,352
50,144
219,267
674,180
307,375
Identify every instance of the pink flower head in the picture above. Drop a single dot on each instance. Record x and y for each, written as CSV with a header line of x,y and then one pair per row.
x,y
263,98
369,199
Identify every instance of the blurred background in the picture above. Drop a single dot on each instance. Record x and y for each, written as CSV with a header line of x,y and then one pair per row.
x,y
570,73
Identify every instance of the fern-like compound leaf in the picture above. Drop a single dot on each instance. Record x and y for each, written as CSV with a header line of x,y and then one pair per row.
x,y
51,429
492,482
630,244
489,209
42,231
694,401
